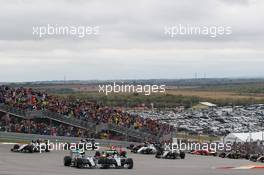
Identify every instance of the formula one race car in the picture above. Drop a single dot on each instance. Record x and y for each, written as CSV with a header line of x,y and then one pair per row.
x,y
113,158
169,153
78,159
234,155
257,158
106,159
204,152
35,146
144,149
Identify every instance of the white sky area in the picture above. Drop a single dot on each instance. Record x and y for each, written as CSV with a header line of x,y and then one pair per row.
x,y
131,43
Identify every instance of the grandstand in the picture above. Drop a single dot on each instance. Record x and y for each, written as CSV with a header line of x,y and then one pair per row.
x,y
32,108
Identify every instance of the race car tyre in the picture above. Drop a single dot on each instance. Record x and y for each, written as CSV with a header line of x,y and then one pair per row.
x,y
30,149
67,161
261,159
47,149
129,163
16,147
215,154
182,155
172,156
79,163
158,156
253,157
158,153
131,146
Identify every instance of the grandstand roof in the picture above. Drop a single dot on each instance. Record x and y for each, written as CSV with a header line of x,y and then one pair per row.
x,y
208,104
245,137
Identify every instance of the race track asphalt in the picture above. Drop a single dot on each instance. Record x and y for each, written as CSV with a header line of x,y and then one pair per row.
x,y
52,164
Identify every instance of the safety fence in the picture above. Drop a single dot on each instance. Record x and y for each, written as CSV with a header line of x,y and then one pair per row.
x,y
20,137
85,124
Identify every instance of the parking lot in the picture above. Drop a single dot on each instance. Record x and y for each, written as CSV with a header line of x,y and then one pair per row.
x,y
52,163
214,121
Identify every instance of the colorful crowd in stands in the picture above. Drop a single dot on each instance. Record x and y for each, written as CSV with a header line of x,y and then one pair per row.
x,y
13,124
28,99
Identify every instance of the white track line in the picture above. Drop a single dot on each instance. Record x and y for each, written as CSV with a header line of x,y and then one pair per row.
x,y
7,143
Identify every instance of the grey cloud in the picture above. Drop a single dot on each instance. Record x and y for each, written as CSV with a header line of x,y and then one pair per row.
x,y
132,42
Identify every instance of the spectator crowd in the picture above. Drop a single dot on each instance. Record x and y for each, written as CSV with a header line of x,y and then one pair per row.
x,y
27,99
42,127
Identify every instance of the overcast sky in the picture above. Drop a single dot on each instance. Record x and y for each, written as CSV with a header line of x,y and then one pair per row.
x,y
131,43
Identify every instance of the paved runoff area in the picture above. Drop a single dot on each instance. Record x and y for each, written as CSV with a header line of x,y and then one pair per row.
x,y
52,164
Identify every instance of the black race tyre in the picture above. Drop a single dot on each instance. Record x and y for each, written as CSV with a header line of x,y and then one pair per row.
x,y
182,155
16,147
67,161
79,163
130,163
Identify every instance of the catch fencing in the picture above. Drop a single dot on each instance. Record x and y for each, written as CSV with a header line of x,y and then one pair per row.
x,y
20,137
